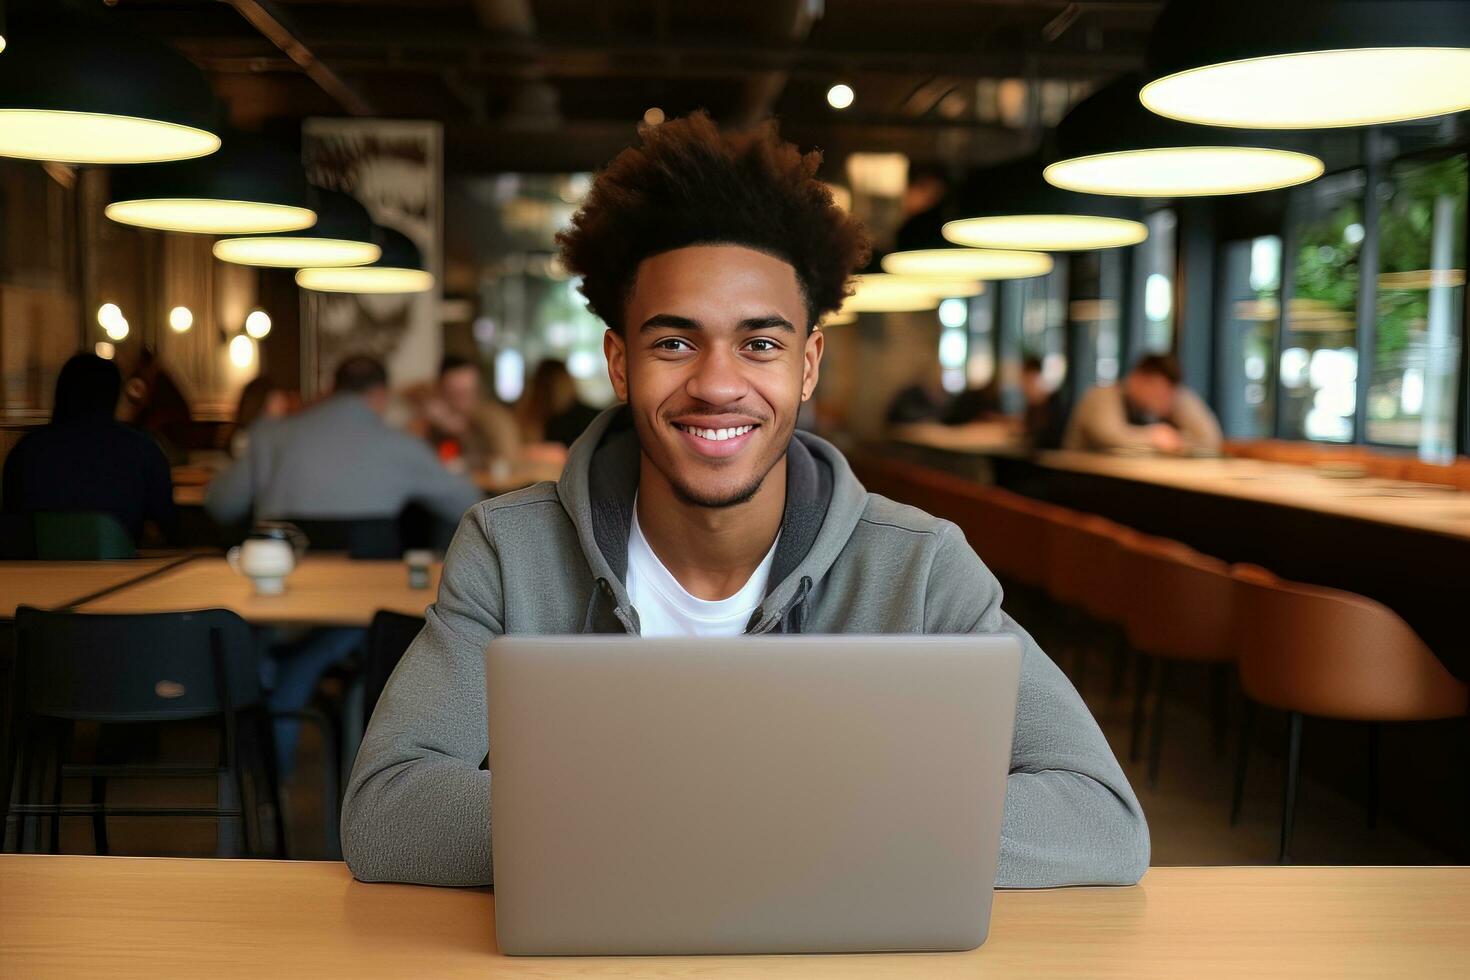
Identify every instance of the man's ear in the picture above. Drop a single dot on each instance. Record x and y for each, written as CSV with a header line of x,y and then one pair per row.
x,y
812,362
615,349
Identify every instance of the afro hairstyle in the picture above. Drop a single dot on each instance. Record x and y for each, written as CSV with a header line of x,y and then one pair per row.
x,y
689,183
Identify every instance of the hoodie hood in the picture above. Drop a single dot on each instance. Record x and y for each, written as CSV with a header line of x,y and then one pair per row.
x,y
824,501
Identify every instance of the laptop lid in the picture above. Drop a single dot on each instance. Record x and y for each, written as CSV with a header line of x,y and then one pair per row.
x,y
747,795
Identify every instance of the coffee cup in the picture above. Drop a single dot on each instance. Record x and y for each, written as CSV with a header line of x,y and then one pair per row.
x,y
265,561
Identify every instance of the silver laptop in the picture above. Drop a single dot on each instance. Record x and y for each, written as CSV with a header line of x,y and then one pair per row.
x,y
747,795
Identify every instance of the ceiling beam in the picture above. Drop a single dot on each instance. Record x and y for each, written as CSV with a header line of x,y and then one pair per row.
x,y
266,18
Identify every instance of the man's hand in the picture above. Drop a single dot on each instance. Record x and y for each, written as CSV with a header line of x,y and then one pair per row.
x,y
1164,438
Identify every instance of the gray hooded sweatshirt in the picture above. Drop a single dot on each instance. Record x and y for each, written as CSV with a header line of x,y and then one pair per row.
x,y
551,559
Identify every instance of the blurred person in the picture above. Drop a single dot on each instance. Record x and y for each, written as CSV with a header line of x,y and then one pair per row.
x,y
461,423
1045,416
337,460
922,400
260,399
156,404
550,411
697,508
86,460
1150,410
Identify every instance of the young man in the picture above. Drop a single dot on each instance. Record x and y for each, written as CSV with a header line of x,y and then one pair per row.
x,y
697,509
1151,409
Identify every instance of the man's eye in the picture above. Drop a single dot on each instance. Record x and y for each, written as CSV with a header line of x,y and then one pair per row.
x,y
672,344
761,345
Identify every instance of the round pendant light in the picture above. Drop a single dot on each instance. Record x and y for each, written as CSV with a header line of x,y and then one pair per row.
x,y
76,89
1012,207
1110,144
249,187
342,236
967,263
1308,64
886,293
399,270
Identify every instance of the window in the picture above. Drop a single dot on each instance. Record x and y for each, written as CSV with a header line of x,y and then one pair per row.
x,y
1157,260
1250,311
1420,308
1319,355
1034,313
1094,316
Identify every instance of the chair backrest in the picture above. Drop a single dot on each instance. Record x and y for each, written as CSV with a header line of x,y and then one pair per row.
x,y
1018,535
388,639
1336,654
153,667
81,536
1176,602
363,538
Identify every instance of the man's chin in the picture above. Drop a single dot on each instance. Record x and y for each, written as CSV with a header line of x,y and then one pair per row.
x,y
716,497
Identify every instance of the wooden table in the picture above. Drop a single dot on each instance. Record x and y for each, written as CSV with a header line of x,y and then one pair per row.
x,y
191,494
66,916
324,590
1419,506
59,584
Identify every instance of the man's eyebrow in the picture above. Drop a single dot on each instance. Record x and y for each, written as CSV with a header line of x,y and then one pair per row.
x,y
772,322
669,321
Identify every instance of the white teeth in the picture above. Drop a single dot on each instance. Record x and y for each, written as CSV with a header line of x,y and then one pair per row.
x,y
716,435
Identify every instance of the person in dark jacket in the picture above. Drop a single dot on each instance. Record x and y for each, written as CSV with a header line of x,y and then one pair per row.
x,y
85,460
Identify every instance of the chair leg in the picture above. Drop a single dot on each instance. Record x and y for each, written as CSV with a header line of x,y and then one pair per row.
x,y
1118,650
1373,756
1219,706
99,818
1156,736
1142,677
1247,730
1293,774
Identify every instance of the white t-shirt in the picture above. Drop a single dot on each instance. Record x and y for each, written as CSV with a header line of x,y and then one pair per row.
x,y
666,609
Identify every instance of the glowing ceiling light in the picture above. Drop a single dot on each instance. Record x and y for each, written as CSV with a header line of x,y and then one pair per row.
x,y
840,96
1308,64
75,89
885,293
967,263
258,324
108,314
838,317
117,329
242,351
1046,232
288,252
365,279
180,319
1185,171
210,217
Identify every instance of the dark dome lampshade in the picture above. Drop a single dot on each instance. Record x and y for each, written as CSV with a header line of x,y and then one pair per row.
x,y
75,89
1110,144
251,186
1010,206
1308,64
342,236
400,269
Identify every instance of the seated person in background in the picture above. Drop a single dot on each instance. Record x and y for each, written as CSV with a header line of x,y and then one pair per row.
x,y
1046,410
1151,409
550,411
154,403
922,400
461,423
260,399
337,460
698,509
85,460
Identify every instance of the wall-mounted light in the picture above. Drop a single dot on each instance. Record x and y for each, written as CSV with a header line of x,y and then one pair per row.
x,y
840,96
105,350
180,319
242,351
258,324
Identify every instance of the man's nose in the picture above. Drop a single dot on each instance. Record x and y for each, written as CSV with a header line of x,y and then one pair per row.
x,y
717,378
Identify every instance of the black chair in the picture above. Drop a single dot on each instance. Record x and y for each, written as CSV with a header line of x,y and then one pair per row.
x,y
126,672
362,538
17,537
389,637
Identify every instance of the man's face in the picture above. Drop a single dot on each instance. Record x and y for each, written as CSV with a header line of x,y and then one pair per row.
x,y
714,343
1151,394
460,389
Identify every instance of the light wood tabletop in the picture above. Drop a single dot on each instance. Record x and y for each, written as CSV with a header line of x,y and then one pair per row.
x,y
324,590
1423,507
69,916
58,584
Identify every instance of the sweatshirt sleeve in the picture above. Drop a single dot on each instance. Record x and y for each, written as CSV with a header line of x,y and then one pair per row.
x,y
417,807
1099,423
1197,425
1070,816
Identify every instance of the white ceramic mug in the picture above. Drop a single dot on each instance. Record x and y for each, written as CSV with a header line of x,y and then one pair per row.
x,y
265,561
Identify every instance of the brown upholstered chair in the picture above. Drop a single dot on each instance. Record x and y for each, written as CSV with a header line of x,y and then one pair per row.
x,y
1081,555
1178,607
1315,651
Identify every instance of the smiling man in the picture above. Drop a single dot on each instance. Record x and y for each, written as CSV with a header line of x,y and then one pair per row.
x,y
697,509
